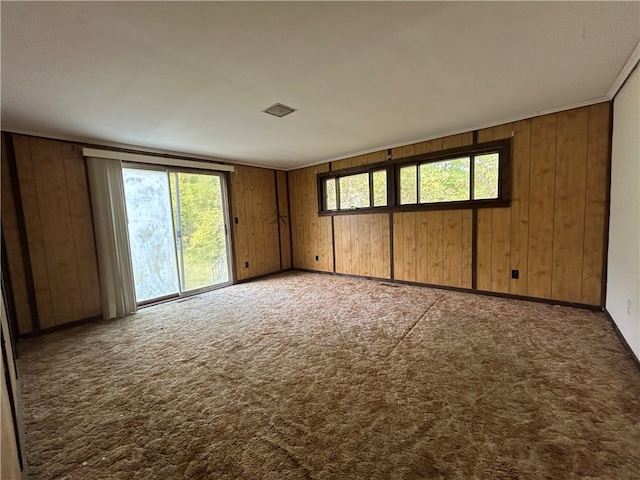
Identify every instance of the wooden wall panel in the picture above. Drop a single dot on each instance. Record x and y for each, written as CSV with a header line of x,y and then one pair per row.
x,y
82,227
35,240
433,247
359,160
452,274
256,239
311,234
521,159
285,220
13,248
59,229
362,245
494,233
542,205
595,202
552,233
569,214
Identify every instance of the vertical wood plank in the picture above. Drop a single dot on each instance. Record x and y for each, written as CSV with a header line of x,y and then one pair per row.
x,y
521,160
338,237
467,234
312,234
452,275
452,141
484,248
82,229
570,188
409,245
13,249
500,250
541,205
57,232
238,213
35,240
285,221
435,253
434,145
501,132
398,246
385,245
596,202
422,248
256,233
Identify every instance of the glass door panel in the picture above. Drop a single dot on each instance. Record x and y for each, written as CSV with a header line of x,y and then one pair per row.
x,y
151,237
199,221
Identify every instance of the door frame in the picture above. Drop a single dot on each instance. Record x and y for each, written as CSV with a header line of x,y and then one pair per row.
x,y
226,204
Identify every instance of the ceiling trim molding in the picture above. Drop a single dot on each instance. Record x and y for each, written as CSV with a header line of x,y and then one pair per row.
x,y
538,113
629,66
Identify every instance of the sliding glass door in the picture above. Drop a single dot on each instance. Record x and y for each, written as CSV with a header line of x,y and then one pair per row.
x,y
177,232
200,230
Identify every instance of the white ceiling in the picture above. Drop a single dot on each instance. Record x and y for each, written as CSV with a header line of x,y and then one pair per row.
x,y
194,77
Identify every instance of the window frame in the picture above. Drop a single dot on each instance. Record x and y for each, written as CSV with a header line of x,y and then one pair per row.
x,y
392,167
347,172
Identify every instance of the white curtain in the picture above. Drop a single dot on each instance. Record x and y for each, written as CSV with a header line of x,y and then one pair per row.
x,y
112,242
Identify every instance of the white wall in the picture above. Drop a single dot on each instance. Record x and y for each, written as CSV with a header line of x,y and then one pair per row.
x,y
623,272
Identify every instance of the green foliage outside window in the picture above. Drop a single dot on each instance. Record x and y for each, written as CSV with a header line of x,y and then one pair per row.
x,y
463,175
486,170
446,181
354,191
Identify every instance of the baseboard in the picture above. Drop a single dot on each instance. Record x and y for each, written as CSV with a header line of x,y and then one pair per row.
x,y
264,275
63,326
487,293
635,359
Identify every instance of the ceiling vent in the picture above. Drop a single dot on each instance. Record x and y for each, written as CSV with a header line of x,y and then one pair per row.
x,y
279,110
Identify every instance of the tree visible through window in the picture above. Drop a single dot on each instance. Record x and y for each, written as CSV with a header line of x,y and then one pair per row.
x,y
456,178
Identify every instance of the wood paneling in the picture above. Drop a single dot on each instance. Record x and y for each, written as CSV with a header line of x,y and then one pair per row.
x,y
521,160
595,202
362,245
253,204
14,250
570,189
285,220
433,247
359,160
541,205
59,231
552,233
494,235
311,234
35,240
82,227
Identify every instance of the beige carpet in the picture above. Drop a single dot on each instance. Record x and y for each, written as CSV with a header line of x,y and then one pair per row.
x,y
307,376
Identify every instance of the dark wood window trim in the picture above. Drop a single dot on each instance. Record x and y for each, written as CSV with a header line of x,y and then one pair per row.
x,y
392,167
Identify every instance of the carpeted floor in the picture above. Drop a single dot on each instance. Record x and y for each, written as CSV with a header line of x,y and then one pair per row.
x,y
307,376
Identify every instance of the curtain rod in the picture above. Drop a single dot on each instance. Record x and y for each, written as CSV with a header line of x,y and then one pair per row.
x,y
171,162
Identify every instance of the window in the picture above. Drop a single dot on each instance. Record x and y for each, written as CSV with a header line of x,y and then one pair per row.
x,y
475,175
356,191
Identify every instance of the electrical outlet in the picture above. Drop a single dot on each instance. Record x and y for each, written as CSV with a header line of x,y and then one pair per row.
x,y
515,274
317,258
246,264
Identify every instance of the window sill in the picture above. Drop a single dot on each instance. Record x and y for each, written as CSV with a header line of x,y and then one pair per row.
x,y
470,204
